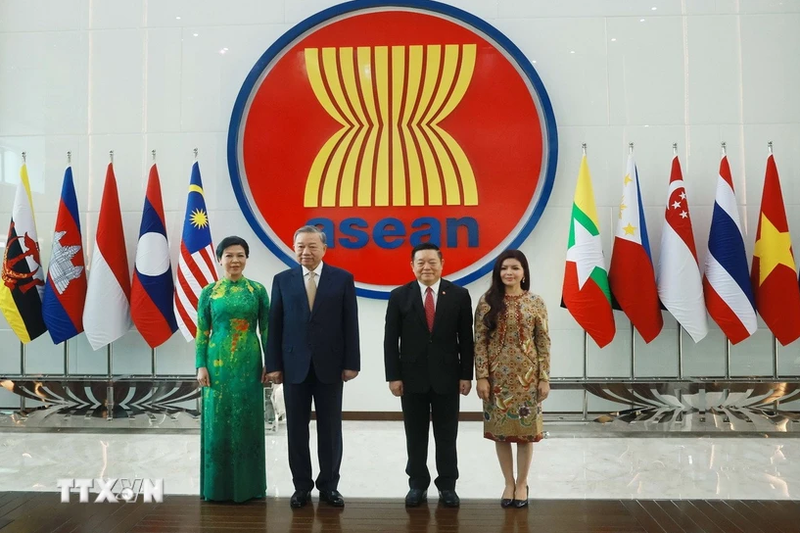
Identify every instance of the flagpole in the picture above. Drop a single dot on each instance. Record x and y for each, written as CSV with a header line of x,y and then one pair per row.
x,y
585,363
195,154
154,156
727,358
724,146
633,351
22,351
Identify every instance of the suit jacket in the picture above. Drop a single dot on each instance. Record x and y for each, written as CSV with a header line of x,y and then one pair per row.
x,y
326,334
423,359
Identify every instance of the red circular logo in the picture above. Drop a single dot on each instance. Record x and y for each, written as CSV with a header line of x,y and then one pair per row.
x,y
388,126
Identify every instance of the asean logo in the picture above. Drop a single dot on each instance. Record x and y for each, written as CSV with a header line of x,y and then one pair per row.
x,y
387,125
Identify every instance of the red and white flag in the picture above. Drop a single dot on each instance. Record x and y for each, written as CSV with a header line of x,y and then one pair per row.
x,y
107,313
680,284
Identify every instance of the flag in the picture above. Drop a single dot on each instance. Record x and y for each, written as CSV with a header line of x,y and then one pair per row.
x,y
680,286
773,275
152,288
631,276
107,314
65,288
196,266
586,293
726,284
23,277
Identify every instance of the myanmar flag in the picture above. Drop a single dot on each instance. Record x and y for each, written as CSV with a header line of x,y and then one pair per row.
x,y
773,274
586,293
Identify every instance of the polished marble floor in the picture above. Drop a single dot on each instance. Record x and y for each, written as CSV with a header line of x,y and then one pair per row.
x,y
565,466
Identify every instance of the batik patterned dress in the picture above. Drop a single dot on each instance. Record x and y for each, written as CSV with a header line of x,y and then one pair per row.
x,y
514,358
232,461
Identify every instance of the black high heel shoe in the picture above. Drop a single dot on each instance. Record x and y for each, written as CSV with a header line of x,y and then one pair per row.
x,y
519,504
507,502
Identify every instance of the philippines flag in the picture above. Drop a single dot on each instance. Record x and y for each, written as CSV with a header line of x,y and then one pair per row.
x,y
196,266
631,276
65,288
726,284
680,286
151,293
107,314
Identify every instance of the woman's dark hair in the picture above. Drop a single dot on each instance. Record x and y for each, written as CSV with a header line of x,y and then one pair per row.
x,y
495,294
232,240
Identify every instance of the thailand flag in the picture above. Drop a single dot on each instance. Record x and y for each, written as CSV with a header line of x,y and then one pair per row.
x,y
65,288
151,293
107,312
726,283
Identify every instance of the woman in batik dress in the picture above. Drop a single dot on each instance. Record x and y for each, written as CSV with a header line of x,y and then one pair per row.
x,y
230,314
512,363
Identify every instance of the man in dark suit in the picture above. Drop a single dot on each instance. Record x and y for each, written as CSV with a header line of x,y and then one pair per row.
x,y
429,353
313,348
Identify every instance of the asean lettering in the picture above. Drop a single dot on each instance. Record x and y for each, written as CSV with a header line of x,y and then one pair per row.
x,y
112,490
390,233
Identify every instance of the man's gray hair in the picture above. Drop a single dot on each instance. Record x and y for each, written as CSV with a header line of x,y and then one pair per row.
x,y
312,229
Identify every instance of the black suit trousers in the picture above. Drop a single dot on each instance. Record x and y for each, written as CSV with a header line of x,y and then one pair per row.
x,y
417,411
328,406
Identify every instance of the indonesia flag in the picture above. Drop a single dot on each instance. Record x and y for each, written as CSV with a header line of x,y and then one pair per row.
x,y
726,284
196,267
107,315
65,288
680,287
631,276
151,293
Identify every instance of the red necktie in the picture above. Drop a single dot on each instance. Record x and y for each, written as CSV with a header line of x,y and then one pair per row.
x,y
429,309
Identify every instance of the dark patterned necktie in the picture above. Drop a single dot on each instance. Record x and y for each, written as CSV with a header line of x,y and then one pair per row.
x,y
429,309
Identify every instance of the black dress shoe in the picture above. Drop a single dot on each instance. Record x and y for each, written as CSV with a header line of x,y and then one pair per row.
x,y
506,502
300,498
519,504
449,498
331,497
416,497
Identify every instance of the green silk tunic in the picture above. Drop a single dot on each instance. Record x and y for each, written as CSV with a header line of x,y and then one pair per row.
x,y
232,455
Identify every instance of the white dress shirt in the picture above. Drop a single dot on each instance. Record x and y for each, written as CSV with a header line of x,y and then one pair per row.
x,y
317,271
435,287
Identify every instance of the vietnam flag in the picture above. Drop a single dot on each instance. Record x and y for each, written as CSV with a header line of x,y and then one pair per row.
x,y
773,275
586,293
631,275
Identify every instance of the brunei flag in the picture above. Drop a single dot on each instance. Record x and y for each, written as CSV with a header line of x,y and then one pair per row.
x,y
23,276
586,293
773,274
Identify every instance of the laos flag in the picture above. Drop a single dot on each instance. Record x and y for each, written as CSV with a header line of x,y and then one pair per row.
x,y
152,288
65,287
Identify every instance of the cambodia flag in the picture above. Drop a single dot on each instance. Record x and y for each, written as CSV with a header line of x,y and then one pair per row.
x,y
152,289
65,288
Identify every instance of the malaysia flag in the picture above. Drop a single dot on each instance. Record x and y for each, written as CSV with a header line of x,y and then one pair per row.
x,y
196,267
726,284
65,288
151,293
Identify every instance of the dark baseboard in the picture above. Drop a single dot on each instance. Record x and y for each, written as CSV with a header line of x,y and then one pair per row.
x,y
398,416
